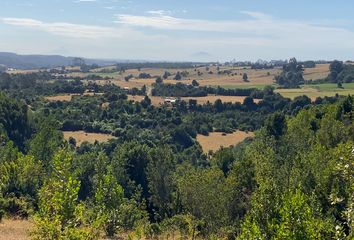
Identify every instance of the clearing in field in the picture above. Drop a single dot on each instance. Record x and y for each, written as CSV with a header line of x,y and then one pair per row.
x,y
216,140
15,229
81,136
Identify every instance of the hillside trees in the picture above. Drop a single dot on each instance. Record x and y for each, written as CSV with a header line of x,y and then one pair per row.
x,y
13,120
294,174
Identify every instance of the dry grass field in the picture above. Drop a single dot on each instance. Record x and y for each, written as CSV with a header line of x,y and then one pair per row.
x,y
213,98
216,140
319,72
257,78
158,101
81,136
68,97
15,229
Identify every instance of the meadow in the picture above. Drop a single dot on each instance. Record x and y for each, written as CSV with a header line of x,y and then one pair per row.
x,y
318,90
81,136
215,140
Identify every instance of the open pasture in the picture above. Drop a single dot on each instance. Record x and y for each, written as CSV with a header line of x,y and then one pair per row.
x,y
319,72
318,90
207,76
158,101
216,140
68,97
81,136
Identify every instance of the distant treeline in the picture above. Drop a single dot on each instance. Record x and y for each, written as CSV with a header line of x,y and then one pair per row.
x,y
166,65
183,90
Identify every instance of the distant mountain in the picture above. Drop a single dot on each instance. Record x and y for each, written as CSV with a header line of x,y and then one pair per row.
x,y
13,60
202,56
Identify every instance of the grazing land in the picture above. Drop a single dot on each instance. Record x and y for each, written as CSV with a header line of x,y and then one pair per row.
x,y
319,72
158,101
206,76
216,140
68,97
81,136
318,90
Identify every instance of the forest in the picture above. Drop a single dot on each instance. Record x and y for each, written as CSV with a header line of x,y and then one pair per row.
x,y
293,180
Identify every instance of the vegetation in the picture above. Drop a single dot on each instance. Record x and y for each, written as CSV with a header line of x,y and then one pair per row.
x,y
292,75
292,180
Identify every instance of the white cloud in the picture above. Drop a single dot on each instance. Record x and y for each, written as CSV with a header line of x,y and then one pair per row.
x,y
255,36
159,12
258,25
71,30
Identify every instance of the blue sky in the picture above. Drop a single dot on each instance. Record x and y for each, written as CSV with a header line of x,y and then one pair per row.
x,y
179,29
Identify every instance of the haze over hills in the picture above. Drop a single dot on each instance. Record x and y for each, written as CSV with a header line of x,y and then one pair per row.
x,y
13,60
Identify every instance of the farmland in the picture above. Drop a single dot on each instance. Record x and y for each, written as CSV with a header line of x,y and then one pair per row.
x,y
215,140
318,90
81,136
158,101
67,97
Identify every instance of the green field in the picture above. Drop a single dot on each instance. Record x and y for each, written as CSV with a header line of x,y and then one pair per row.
x,y
259,86
318,90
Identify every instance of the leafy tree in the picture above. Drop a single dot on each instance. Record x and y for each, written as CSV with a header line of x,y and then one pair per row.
x,y
335,68
108,199
159,174
46,142
204,194
178,76
245,77
291,76
60,216
158,80
129,164
195,83
13,120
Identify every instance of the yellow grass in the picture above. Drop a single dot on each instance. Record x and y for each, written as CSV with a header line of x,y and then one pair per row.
x,y
81,136
15,229
213,98
158,101
68,97
216,140
319,72
255,77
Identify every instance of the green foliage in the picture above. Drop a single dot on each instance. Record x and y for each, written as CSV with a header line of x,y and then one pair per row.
x,y
205,195
13,120
292,75
161,187
129,164
46,142
60,215
108,198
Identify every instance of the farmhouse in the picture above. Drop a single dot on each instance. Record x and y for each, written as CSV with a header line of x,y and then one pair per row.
x,y
170,100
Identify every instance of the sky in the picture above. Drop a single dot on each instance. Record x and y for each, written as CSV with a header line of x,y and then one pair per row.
x,y
180,30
